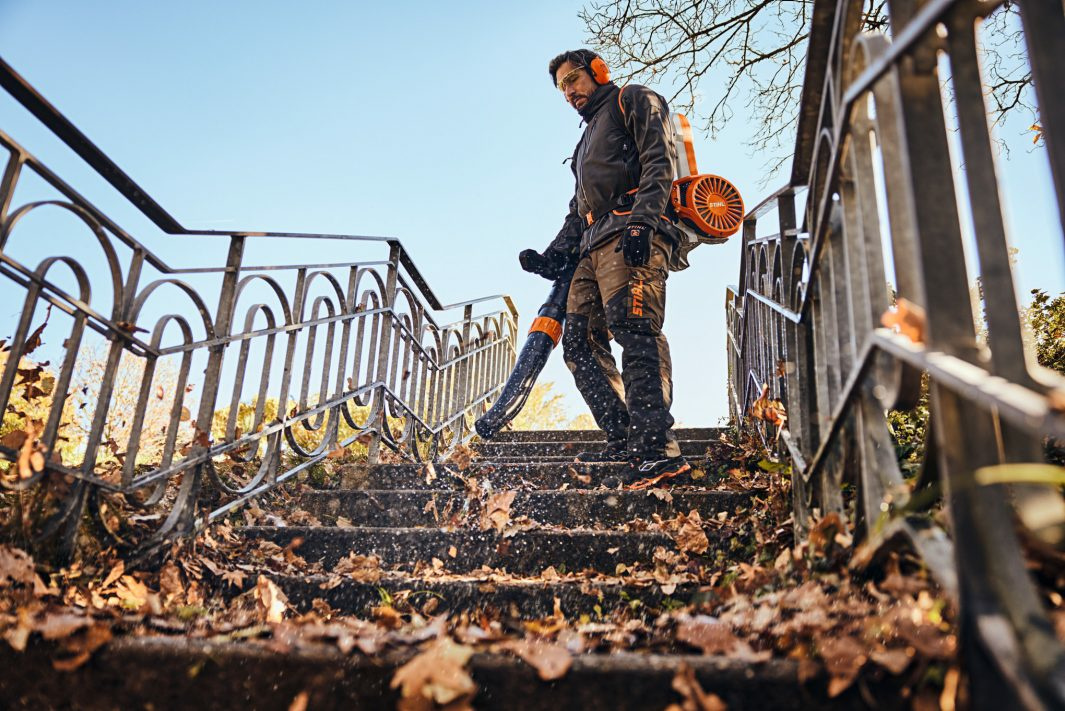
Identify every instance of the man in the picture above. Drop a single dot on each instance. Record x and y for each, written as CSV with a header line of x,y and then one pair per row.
x,y
624,166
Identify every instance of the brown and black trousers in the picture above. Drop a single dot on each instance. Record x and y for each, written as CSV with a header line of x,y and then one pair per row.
x,y
609,299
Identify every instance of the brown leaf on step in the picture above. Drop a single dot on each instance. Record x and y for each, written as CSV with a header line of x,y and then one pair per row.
x,y
362,568
271,603
844,657
707,633
894,660
661,495
81,647
906,318
460,457
689,535
430,473
496,513
59,625
132,594
16,566
336,453
694,698
387,616
551,661
234,578
452,551
826,533
116,572
436,675
170,585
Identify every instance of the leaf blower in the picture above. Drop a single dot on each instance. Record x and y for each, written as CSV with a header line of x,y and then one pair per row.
x,y
544,335
706,208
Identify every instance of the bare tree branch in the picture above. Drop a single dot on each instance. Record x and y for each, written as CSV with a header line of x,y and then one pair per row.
x,y
714,53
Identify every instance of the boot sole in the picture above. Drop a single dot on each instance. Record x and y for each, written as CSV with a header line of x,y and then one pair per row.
x,y
651,481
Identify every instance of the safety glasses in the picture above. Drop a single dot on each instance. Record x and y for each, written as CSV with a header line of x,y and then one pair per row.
x,y
570,77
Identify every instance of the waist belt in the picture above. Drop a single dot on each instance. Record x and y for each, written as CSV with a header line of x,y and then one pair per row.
x,y
626,200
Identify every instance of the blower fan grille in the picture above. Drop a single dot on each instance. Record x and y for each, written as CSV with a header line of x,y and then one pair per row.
x,y
709,203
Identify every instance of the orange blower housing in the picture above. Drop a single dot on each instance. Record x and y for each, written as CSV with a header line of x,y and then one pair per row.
x,y
709,204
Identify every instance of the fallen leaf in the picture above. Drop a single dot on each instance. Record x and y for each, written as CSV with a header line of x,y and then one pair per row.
x,y
689,535
707,633
551,661
435,675
362,568
460,457
271,602
16,566
906,318
132,594
496,512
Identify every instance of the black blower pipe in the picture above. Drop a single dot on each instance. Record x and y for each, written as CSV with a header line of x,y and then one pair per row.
x,y
531,360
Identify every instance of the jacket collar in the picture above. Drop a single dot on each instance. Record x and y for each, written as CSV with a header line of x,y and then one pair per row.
x,y
597,100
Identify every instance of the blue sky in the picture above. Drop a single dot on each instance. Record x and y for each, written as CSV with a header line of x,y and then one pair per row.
x,y
432,122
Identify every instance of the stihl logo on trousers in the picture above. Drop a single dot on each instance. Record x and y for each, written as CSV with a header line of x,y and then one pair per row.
x,y
636,288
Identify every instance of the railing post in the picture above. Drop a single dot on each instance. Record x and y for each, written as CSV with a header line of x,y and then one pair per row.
x,y
463,386
383,348
223,324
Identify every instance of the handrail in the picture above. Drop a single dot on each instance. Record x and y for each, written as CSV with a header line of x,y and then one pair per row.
x,y
804,325
82,145
385,372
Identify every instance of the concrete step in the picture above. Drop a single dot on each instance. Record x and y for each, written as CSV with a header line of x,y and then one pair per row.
x,y
595,435
527,475
572,508
494,450
523,553
180,673
525,600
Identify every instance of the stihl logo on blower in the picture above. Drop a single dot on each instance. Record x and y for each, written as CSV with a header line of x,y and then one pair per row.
x,y
707,208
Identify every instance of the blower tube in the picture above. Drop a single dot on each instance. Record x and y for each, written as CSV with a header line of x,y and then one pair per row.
x,y
544,335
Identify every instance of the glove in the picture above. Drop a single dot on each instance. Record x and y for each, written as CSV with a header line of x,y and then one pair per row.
x,y
635,244
549,265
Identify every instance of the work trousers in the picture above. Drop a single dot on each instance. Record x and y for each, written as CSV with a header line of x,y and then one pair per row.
x,y
609,299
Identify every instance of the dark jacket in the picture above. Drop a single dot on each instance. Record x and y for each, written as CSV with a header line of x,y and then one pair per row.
x,y
627,145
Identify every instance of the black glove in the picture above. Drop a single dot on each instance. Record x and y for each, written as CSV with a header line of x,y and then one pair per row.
x,y
549,265
635,244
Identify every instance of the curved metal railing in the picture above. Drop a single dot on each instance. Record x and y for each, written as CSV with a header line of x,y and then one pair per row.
x,y
805,326
210,385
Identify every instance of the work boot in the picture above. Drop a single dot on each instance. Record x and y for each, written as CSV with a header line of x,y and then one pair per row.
x,y
648,472
612,452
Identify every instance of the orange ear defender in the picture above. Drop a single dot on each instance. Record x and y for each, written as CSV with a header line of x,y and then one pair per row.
x,y
599,70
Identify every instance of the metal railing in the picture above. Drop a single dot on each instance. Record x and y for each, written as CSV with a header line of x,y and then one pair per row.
x,y
298,360
805,324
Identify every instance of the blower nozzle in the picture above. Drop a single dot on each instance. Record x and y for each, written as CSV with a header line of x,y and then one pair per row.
x,y
544,335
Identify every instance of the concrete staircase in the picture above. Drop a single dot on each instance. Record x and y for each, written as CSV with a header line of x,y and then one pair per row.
x,y
414,519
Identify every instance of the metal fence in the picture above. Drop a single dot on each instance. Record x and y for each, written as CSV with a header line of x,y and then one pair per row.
x,y
290,362
805,324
